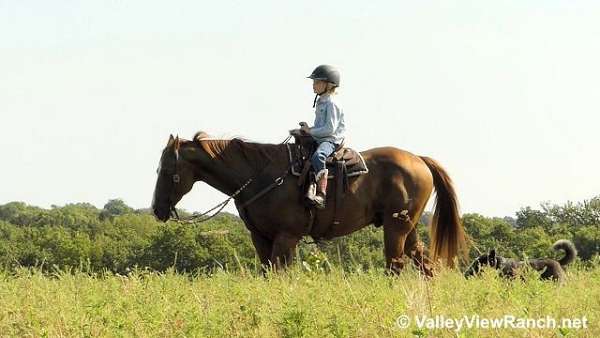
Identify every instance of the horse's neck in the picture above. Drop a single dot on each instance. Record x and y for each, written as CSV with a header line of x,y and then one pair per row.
x,y
240,163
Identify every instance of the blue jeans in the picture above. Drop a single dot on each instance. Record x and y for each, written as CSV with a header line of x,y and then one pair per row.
x,y
318,158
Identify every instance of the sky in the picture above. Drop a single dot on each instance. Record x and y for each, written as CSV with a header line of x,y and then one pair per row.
x,y
504,94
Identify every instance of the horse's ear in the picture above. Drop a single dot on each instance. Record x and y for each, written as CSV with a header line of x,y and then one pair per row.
x,y
177,142
171,141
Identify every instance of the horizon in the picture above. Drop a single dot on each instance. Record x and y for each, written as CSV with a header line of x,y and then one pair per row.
x,y
225,211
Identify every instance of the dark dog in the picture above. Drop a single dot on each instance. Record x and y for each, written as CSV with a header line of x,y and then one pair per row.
x,y
549,268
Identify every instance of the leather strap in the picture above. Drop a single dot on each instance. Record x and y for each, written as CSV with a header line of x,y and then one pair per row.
x,y
304,173
340,189
277,182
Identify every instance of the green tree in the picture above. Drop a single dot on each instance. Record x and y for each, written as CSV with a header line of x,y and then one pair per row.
x,y
115,207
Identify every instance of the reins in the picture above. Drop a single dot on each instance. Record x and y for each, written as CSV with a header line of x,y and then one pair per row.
x,y
199,218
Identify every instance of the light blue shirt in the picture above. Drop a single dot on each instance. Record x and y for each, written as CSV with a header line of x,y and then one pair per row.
x,y
329,121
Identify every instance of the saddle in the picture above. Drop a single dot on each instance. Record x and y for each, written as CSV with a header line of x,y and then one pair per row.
x,y
342,164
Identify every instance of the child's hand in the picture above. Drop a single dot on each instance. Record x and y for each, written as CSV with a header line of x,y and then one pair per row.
x,y
305,129
296,132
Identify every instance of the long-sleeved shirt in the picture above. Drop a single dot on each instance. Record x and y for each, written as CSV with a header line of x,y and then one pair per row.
x,y
329,121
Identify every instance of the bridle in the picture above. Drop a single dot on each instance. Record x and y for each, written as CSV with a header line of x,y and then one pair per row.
x,y
175,179
202,217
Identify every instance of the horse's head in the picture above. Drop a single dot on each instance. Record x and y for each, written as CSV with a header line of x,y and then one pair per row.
x,y
175,179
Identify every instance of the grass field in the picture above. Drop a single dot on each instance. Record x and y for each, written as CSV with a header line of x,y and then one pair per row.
x,y
291,304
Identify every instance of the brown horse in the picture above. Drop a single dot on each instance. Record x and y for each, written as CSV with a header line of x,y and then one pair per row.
x,y
393,193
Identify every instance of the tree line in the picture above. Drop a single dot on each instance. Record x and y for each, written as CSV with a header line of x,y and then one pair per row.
x,y
118,238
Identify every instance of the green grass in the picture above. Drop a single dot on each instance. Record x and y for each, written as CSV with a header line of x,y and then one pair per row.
x,y
292,304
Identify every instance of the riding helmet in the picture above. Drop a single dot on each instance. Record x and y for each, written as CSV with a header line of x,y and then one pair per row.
x,y
326,73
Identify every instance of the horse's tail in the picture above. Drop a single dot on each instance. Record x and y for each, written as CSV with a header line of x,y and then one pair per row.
x,y
448,238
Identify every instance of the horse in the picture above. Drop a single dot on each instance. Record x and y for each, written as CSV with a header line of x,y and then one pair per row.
x,y
393,194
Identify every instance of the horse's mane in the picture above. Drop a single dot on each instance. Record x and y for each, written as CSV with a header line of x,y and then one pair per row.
x,y
212,146
228,150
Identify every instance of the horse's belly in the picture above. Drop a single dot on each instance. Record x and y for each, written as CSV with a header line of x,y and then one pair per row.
x,y
343,229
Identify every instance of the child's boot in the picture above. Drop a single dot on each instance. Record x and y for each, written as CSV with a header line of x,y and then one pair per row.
x,y
311,192
321,189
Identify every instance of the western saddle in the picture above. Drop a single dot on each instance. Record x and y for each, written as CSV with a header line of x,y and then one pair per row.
x,y
342,164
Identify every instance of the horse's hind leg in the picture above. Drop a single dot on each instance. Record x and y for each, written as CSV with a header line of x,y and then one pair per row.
x,y
402,240
396,228
415,249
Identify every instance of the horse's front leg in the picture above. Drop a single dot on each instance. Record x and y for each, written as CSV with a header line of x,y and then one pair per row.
x,y
284,245
264,248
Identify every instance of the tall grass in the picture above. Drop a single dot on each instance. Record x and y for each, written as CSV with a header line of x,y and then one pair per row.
x,y
324,303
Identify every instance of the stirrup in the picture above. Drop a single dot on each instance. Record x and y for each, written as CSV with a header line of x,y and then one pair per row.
x,y
311,193
319,202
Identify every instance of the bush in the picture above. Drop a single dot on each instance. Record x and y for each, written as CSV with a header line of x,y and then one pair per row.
x,y
118,238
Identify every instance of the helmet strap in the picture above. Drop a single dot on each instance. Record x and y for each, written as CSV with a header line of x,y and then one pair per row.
x,y
319,94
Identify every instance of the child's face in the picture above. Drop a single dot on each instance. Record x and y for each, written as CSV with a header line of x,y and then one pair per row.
x,y
319,86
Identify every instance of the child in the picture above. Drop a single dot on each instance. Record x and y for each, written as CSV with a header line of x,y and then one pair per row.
x,y
329,127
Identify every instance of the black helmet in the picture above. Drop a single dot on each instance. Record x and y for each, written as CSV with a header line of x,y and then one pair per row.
x,y
326,73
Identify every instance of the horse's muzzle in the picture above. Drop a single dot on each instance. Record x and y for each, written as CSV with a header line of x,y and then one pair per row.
x,y
162,215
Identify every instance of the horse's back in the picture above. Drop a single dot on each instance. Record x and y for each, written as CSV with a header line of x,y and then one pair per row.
x,y
400,158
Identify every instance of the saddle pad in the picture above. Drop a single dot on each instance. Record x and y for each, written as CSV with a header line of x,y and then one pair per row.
x,y
355,163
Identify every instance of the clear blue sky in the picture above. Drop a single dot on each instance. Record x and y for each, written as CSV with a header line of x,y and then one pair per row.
x,y
505,94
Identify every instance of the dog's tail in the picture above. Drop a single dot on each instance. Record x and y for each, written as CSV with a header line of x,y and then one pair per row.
x,y
569,249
